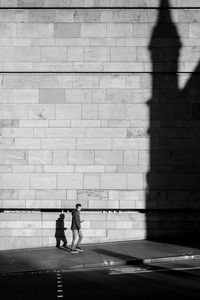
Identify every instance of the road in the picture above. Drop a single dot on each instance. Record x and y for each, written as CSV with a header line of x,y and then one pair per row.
x,y
161,281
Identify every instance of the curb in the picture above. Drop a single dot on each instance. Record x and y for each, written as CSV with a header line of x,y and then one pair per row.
x,y
108,263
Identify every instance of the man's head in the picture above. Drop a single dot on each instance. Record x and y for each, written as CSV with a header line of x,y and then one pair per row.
x,y
78,206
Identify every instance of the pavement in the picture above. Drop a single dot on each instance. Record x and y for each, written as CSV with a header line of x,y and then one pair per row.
x,y
95,256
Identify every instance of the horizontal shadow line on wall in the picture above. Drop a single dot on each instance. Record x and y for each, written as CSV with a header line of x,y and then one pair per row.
x,y
94,72
100,7
112,210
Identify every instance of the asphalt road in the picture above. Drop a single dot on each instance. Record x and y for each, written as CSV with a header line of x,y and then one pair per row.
x,y
127,282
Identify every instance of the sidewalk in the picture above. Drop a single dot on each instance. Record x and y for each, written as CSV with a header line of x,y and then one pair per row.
x,y
94,256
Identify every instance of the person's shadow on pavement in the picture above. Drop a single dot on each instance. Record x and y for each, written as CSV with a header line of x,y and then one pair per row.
x,y
60,232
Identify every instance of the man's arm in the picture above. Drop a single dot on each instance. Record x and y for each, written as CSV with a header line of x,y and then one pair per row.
x,y
77,220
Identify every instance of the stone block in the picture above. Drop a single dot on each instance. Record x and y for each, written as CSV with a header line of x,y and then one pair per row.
x,y
17,132
41,111
45,81
71,194
119,30
30,3
33,123
133,169
64,132
68,111
95,233
81,157
50,194
58,143
64,81
9,123
118,96
14,111
115,234
111,169
62,15
58,169
86,16
93,30
124,224
108,157
119,123
88,66
6,168
42,15
9,194
90,169
194,29
13,157
131,157
131,15
133,82
43,181
78,96
27,30
92,181
7,54
93,195
123,54
75,53
141,30
69,181
94,143
135,181
53,54
125,67
85,81
27,143
137,133
52,96
105,132
25,96
17,81
27,54
85,123
114,81
39,132
90,111
67,30
136,111
96,54
7,30
46,30
40,157
60,157
113,181
111,111
26,194
14,181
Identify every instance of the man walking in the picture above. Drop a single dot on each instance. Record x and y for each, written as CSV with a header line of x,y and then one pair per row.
x,y
76,230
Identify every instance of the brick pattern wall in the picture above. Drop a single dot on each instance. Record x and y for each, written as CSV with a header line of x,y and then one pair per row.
x,y
83,135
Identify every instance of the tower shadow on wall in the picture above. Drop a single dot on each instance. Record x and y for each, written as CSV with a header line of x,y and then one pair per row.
x,y
173,181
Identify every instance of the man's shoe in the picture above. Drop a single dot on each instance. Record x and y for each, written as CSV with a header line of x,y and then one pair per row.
x,y
79,249
74,251
64,246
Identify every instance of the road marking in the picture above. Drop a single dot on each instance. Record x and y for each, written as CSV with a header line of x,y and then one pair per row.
x,y
59,285
126,270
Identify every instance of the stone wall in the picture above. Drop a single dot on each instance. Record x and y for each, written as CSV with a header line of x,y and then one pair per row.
x,y
90,112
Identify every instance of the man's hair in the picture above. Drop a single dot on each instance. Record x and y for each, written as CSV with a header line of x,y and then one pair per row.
x,y
78,205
